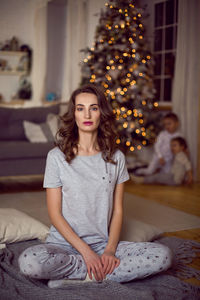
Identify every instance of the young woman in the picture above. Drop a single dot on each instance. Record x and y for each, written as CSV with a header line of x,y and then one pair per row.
x,y
84,181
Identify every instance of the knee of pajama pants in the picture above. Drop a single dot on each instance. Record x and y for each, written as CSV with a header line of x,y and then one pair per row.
x,y
166,258
29,265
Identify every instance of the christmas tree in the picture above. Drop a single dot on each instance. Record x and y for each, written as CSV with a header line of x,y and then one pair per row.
x,y
120,61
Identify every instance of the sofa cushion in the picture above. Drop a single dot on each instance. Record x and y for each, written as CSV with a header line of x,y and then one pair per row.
x,y
11,120
23,149
42,132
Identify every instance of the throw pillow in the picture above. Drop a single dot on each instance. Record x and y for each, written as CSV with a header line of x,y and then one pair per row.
x,y
43,132
137,231
17,226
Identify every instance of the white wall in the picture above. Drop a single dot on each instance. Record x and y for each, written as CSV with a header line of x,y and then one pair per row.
x,y
16,19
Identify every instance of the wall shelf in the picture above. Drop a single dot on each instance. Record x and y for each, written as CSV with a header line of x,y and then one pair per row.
x,y
16,73
13,53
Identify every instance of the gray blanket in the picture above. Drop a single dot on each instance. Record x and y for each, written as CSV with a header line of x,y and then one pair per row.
x,y
165,286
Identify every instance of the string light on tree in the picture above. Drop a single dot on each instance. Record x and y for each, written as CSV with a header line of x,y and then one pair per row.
x,y
120,61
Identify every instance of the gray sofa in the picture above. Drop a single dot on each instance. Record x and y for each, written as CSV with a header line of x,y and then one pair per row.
x,y
18,156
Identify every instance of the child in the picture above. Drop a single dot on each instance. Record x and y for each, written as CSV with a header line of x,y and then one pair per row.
x,y
162,157
181,167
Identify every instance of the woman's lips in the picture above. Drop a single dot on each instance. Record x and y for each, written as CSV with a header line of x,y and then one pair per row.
x,y
88,123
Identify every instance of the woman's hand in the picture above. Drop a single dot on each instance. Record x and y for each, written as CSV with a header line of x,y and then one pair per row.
x,y
110,262
94,265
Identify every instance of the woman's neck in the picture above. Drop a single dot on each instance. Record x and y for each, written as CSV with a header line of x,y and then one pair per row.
x,y
87,144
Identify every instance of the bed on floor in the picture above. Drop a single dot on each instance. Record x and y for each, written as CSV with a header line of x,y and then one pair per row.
x,y
19,231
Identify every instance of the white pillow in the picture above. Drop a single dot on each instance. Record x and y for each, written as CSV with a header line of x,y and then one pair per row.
x,y
17,226
137,231
43,132
52,121
34,132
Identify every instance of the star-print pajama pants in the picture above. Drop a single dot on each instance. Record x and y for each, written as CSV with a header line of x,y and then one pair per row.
x,y
53,261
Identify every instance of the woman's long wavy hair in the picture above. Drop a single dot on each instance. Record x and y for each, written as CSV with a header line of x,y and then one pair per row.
x,y
68,136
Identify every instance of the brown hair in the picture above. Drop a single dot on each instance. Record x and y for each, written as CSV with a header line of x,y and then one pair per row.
x,y
171,116
182,142
67,135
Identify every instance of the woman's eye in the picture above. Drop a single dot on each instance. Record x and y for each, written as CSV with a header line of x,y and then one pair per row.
x,y
79,108
94,108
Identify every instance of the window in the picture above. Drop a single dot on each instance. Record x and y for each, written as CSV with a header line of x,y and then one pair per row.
x,y
165,36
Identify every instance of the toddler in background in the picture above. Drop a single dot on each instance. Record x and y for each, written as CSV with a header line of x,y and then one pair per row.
x,y
181,169
162,157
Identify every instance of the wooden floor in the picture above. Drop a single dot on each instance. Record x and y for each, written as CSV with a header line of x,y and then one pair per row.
x,y
184,198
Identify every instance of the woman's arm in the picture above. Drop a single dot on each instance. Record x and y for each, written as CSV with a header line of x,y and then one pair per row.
x,y
108,258
54,205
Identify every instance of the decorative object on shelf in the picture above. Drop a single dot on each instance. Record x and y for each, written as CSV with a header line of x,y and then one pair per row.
x,y
3,64
27,49
14,44
10,45
25,90
51,97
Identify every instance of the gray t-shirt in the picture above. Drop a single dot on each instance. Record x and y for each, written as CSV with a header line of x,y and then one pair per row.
x,y
88,185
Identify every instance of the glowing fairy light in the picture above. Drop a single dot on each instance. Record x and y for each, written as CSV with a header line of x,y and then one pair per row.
x,y
128,143
137,131
132,148
125,125
148,56
144,102
118,141
133,82
155,104
139,147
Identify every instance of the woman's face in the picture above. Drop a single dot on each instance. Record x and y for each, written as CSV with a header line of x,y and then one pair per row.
x,y
87,112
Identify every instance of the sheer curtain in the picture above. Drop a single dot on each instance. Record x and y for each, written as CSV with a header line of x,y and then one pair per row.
x,y
38,76
76,29
186,90
82,19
